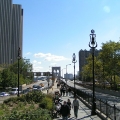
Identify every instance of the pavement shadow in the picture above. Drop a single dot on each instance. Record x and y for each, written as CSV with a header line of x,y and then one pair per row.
x,y
84,117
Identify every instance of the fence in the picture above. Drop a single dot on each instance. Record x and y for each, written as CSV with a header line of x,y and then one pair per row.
x,y
110,111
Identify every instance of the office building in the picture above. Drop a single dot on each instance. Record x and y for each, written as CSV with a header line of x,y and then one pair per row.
x,y
68,76
11,28
83,55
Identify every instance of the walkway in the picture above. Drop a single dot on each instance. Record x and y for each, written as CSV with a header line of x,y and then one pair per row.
x,y
84,112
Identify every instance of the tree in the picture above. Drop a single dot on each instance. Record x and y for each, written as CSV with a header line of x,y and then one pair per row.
x,y
25,69
9,75
9,78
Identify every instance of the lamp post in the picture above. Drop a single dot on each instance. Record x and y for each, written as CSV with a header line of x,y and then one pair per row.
x,y
62,71
66,72
48,81
18,68
74,61
93,45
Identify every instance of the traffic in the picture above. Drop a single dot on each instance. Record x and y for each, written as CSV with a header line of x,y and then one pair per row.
x,y
37,85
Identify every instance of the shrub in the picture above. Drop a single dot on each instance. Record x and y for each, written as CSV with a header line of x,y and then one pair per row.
x,y
46,103
39,114
35,96
12,99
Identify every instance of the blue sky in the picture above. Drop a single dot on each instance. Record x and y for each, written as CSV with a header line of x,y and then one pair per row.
x,y
55,29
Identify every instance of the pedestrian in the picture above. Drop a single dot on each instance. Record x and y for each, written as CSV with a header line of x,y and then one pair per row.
x,y
56,97
57,108
64,111
69,91
66,91
69,104
61,91
75,105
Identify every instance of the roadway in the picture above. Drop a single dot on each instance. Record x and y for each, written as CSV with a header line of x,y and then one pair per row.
x,y
28,86
105,97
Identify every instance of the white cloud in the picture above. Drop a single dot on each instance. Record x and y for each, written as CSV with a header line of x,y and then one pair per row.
x,y
29,53
106,9
34,61
50,57
36,66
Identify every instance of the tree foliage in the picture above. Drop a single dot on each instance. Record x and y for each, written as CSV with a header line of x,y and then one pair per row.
x,y
106,64
9,75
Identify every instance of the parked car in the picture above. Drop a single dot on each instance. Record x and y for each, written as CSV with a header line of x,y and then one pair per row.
x,y
37,87
2,94
14,91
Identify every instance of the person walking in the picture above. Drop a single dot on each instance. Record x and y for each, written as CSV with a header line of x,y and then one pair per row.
x,y
69,104
64,111
75,105
61,91
66,91
57,108
69,91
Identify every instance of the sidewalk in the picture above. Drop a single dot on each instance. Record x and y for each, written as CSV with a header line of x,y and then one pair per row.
x,y
84,113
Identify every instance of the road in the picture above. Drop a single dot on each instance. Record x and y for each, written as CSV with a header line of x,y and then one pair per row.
x,y
27,86
106,97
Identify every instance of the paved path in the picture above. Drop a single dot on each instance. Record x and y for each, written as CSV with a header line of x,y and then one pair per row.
x,y
84,113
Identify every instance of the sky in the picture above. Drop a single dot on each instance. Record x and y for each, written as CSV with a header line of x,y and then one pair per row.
x,y
55,29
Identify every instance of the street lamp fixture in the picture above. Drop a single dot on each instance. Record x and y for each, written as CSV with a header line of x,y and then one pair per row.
x,y
18,68
74,61
93,45
66,72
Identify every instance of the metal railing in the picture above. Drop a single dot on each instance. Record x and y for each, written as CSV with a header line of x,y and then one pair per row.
x,y
110,111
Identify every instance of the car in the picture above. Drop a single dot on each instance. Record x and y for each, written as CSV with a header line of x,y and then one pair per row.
x,y
2,94
37,87
14,91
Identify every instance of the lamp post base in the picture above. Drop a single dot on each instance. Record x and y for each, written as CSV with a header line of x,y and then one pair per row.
x,y
93,112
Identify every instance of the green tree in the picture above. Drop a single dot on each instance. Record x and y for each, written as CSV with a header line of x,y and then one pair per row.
x,y
110,58
8,78
25,69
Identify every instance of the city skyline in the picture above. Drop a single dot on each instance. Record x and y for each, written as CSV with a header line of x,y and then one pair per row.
x,y
54,30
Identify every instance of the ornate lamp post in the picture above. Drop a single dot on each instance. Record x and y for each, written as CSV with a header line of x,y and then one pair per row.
x,y
74,61
18,68
66,72
93,45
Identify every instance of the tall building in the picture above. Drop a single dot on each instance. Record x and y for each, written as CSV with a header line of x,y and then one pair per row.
x,y
83,55
68,76
11,28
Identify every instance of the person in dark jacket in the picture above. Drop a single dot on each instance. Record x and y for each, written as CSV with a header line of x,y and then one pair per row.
x,y
64,89
61,91
65,111
69,91
69,104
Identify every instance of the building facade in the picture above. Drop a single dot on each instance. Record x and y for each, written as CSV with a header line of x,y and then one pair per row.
x,y
83,55
11,29
68,76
